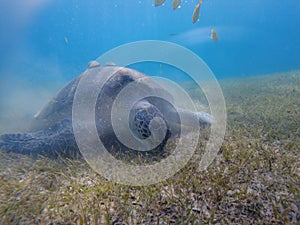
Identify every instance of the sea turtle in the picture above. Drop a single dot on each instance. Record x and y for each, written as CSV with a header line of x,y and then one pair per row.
x,y
51,133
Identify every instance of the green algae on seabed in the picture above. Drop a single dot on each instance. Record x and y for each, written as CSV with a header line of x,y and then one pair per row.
x,y
255,179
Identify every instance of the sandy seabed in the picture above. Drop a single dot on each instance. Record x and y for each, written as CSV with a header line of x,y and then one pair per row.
x,y
254,180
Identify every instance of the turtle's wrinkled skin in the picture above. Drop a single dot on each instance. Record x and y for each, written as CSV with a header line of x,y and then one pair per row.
x,y
51,133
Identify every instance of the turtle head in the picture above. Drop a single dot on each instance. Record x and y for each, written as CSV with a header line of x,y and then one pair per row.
x,y
147,122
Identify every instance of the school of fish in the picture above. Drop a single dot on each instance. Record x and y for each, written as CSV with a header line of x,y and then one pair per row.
x,y
195,17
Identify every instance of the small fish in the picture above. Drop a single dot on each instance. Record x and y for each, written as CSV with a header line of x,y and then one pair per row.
x,y
175,4
196,13
158,2
66,40
213,35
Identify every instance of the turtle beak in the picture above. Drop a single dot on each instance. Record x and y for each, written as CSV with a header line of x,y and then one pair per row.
x,y
160,131
205,119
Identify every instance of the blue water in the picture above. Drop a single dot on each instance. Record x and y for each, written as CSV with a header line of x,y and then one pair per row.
x,y
254,36
45,43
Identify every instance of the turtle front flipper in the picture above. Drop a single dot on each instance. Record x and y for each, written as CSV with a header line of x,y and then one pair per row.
x,y
54,142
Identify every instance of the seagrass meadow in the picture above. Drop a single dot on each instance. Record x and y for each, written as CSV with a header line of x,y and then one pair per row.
x,y
254,180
